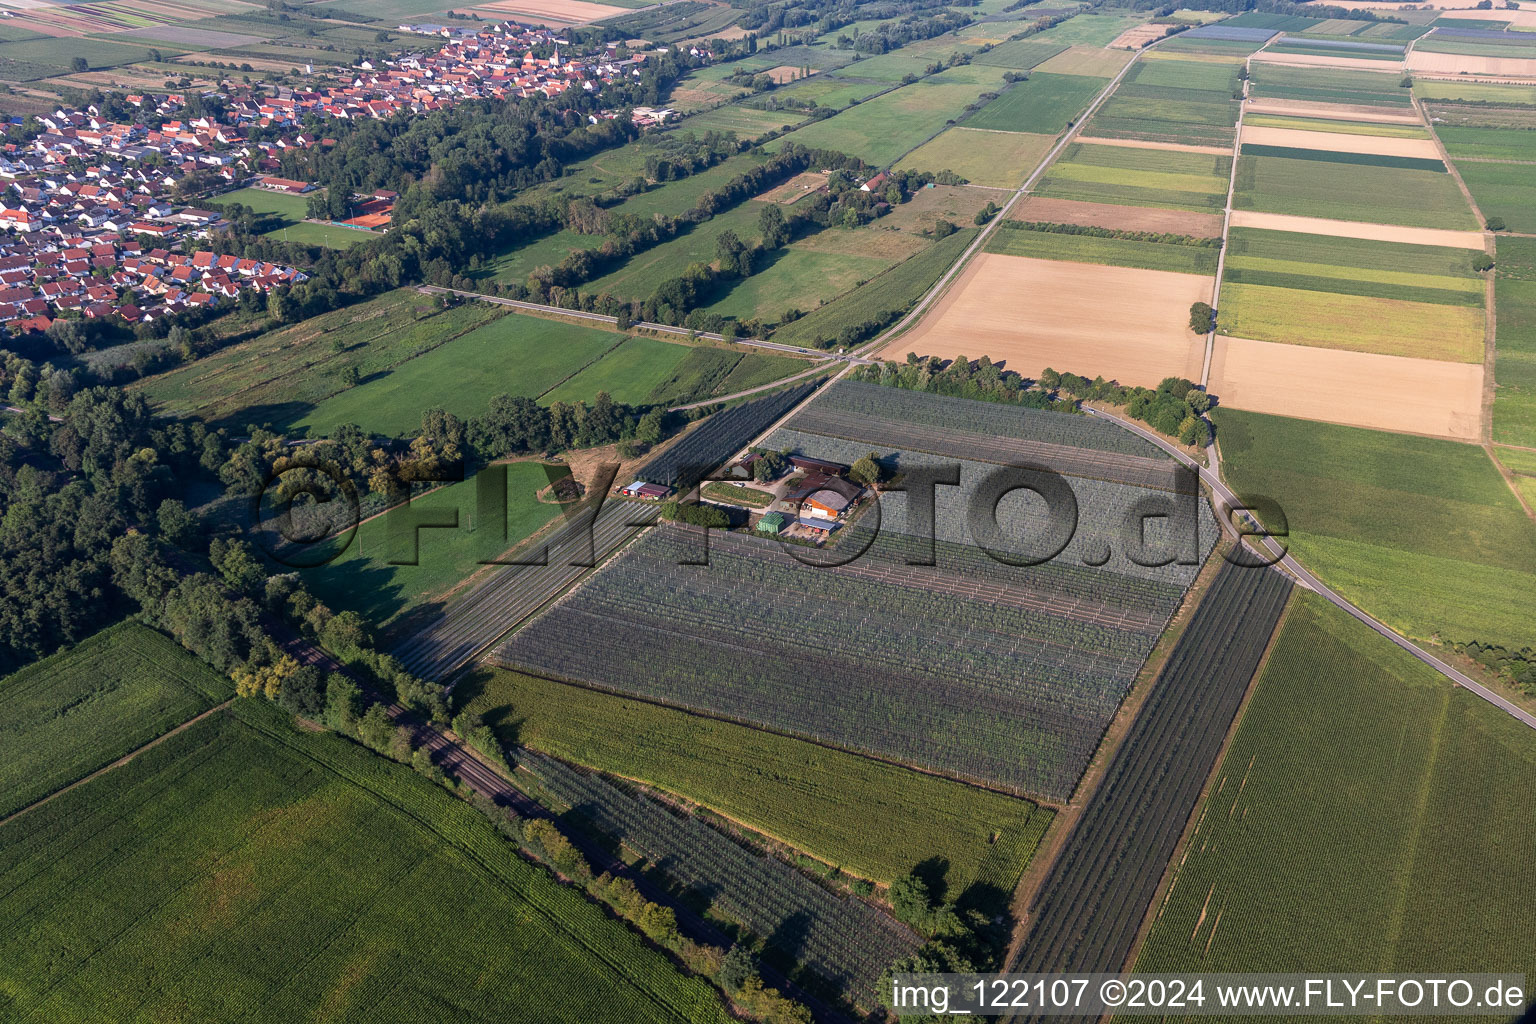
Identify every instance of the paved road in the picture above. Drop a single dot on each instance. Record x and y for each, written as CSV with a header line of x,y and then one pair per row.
x,y
1212,478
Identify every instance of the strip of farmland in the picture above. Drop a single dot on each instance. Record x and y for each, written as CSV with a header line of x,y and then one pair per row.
x,y
1092,903
844,940
725,434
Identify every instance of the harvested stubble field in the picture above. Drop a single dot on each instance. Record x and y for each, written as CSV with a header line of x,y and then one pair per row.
x,y
1280,838
844,941
1343,142
279,871
66,716
1174,179
1358,229
825,802
1040,313
1117,252
1320,57
1467,64
996,158
1354,323
1348,190
1422,533
1124,218
1358,389
1334,111
564,12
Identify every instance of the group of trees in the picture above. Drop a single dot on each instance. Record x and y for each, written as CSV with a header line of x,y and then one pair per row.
x,y
980,379
1176,407
1161,237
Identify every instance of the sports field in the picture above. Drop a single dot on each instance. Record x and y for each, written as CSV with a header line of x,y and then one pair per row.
x,y
1424,534
1035,313
822,801
516,355
294,874
1172,179
1046,104
1001,159
1350,189
1358,389
1367,812
66,716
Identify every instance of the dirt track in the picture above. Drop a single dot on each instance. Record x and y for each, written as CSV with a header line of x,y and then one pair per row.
x,y
1130,325
1358,389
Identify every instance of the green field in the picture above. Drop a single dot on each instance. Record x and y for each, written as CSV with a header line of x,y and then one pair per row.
x,y
516,264
1450,89
289,209
1045,104
887,67
895,290
830,91
515,355
1333,156
644,272
999,159
1171,100
1321,124
1089,29
628,373
1332,840
1328,85
382,575
30,59
246,869
886,127
1170,179
278,377
1020,54
1514,401
796,279
66,716
1424,534
1502,190
1347,191
289,224
1349,266
328,235
828,803
1354,323
1118,252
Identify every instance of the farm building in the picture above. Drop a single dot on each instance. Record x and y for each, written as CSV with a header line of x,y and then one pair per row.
x,y
287,186
825,497
773,523
646,491
816,525
810,465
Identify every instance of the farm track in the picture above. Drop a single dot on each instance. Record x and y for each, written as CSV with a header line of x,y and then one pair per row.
x,y
1089,911
1134,470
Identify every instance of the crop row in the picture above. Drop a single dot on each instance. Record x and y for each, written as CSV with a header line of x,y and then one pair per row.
x,y
976,688
996,418
720,437
1093,901
846,941
1107,523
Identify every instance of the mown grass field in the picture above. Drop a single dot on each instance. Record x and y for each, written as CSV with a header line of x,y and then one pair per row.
x,y
1367,813
1451,89
1352,191
279,376
796,279
516,355
883,129
628,373
1089,29
66,716
824,802
643,273
1045,104
1118,252
1422,533
1020,54
1000,159
389,568
1507,191
517,264
1170,179
832,91
895,290
1514,291
281,875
